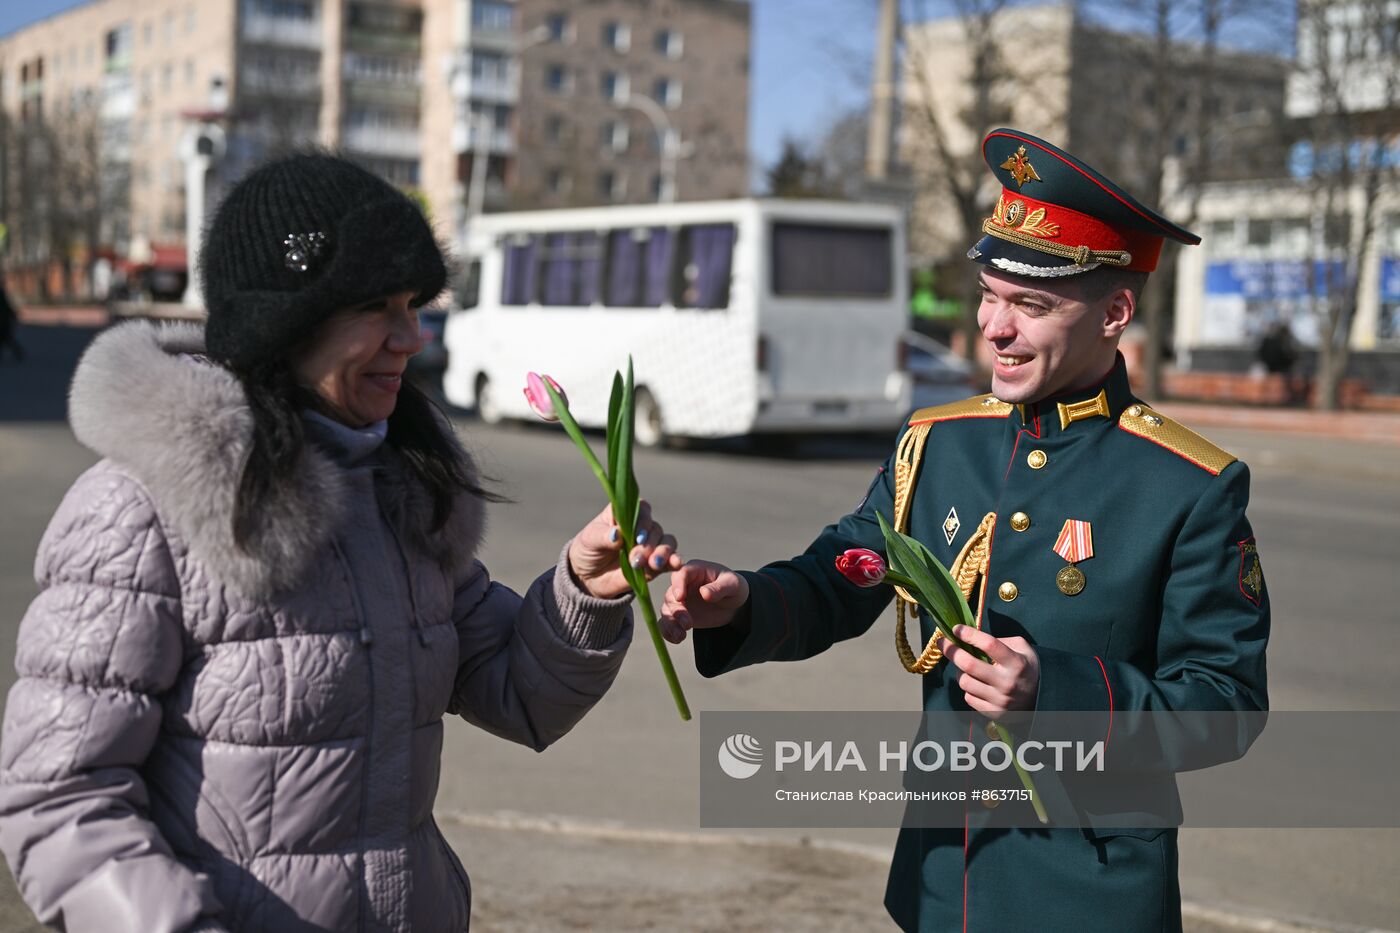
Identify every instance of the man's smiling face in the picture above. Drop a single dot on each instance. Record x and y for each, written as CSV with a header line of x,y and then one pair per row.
x,y
1048,336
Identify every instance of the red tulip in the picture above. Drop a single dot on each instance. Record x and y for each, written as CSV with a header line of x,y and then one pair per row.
x,y
538,398
862,566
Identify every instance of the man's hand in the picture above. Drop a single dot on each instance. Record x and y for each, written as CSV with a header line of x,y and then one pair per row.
x,y
702,594
1009,684
596,550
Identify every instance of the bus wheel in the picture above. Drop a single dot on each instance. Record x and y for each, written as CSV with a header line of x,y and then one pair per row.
x,y
487,408
647,428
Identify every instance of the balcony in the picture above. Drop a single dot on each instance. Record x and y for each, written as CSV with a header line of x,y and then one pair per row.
x,y
118,97
282,30
393,143
489,39
280,83
391,43
465,138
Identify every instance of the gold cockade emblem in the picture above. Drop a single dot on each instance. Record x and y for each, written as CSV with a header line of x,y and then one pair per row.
x,y
1020,167
1013,216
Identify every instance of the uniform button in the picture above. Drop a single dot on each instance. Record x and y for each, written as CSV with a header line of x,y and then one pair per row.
x,y
1135,410
1008,591
1020,521
1036,459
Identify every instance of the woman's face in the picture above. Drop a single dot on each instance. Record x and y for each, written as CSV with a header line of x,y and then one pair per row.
x,y
356,359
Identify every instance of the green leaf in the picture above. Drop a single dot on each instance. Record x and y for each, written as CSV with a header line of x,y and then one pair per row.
x,y
623,479
951,591
614,410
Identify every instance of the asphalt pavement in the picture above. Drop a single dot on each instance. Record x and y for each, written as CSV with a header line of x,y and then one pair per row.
x,y
601,831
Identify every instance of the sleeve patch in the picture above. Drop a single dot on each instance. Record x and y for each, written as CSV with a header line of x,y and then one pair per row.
x,y
1251,573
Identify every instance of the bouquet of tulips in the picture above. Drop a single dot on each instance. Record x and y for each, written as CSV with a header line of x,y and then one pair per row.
x,y
549,402
913,568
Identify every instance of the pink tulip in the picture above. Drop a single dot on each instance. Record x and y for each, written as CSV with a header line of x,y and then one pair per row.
x,y
862,566
540,402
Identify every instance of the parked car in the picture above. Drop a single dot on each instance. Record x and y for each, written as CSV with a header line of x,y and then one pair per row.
x,y
428,364
940,375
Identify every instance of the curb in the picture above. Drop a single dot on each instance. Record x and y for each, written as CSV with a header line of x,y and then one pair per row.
x,y
1230,916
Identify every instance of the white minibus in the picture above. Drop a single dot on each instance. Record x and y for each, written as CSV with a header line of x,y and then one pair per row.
x,y
742,317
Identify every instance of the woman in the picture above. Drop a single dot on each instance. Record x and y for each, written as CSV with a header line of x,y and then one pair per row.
x,y
256,609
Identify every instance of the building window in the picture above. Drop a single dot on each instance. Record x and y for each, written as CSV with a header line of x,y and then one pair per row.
x,y
617,36
612,186
148,32
667,92
668,42
1257,233
190,20
615,87
556,79
558,181
553,128
489,67
493,16
189,71
557,25
616,136
119,42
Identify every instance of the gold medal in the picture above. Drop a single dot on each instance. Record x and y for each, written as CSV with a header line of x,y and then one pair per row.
x,y
1070,580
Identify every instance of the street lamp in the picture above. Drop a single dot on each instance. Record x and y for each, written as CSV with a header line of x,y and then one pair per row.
x,y
671,148
482,130
203,144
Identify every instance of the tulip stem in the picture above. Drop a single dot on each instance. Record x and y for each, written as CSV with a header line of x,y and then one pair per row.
x,y
635,578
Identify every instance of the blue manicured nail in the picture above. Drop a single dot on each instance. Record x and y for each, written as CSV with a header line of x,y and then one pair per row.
x,y
642,537
657,561
637,563
612,535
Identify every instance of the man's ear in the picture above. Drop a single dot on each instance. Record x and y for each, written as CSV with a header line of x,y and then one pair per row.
x,y
1119,312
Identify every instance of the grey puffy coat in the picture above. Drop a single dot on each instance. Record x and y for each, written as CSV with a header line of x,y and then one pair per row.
x,y
203,739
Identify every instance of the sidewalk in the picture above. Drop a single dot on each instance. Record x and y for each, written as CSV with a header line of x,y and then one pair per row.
x,y
538,875
1350,425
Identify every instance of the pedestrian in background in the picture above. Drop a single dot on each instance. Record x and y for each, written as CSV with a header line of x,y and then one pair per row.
x,y
9,323
257,608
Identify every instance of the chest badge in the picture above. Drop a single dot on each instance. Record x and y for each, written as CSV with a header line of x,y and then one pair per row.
x,y
1075,544
951,524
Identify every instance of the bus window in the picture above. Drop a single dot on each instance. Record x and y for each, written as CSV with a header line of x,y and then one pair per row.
x,y
825,261
706,254
570,269
521,262
639,267
467,294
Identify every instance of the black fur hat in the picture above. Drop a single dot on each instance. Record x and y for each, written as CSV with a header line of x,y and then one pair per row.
x,y
300,238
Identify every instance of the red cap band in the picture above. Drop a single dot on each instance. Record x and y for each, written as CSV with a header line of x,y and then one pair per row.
x,y
1067,229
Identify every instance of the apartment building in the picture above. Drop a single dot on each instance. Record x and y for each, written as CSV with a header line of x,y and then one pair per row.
x,y
542,95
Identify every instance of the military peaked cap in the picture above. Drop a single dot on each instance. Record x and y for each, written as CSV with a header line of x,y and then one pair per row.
x,y
1057,216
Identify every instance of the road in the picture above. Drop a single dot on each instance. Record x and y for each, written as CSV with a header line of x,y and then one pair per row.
x,y
1327,515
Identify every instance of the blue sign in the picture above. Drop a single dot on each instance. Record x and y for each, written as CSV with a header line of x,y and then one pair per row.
x,y
1278,278
1390,278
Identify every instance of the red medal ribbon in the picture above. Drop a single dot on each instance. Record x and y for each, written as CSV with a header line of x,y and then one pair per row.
x,y
1076,541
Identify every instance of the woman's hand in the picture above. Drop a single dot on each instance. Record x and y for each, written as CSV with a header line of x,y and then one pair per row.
x,y
596,549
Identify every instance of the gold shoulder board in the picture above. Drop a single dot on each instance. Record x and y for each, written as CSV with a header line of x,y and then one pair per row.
x,y
979,406
1178,438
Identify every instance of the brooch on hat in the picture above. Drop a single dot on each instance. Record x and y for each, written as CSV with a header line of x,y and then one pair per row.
x,y
303,249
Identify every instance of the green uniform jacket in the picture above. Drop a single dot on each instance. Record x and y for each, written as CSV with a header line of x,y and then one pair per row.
x,y
1173,616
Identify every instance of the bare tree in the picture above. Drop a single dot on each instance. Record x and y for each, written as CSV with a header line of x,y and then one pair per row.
x,y
1180,117
959,175
1354,128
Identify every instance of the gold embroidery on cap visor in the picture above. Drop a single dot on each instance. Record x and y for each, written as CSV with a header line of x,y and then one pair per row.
x,y
1011,223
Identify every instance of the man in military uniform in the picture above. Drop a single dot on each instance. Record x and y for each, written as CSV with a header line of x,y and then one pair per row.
x,y
1103,547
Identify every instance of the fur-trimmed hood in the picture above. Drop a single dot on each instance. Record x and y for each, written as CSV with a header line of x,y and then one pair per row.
x,y
182,428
